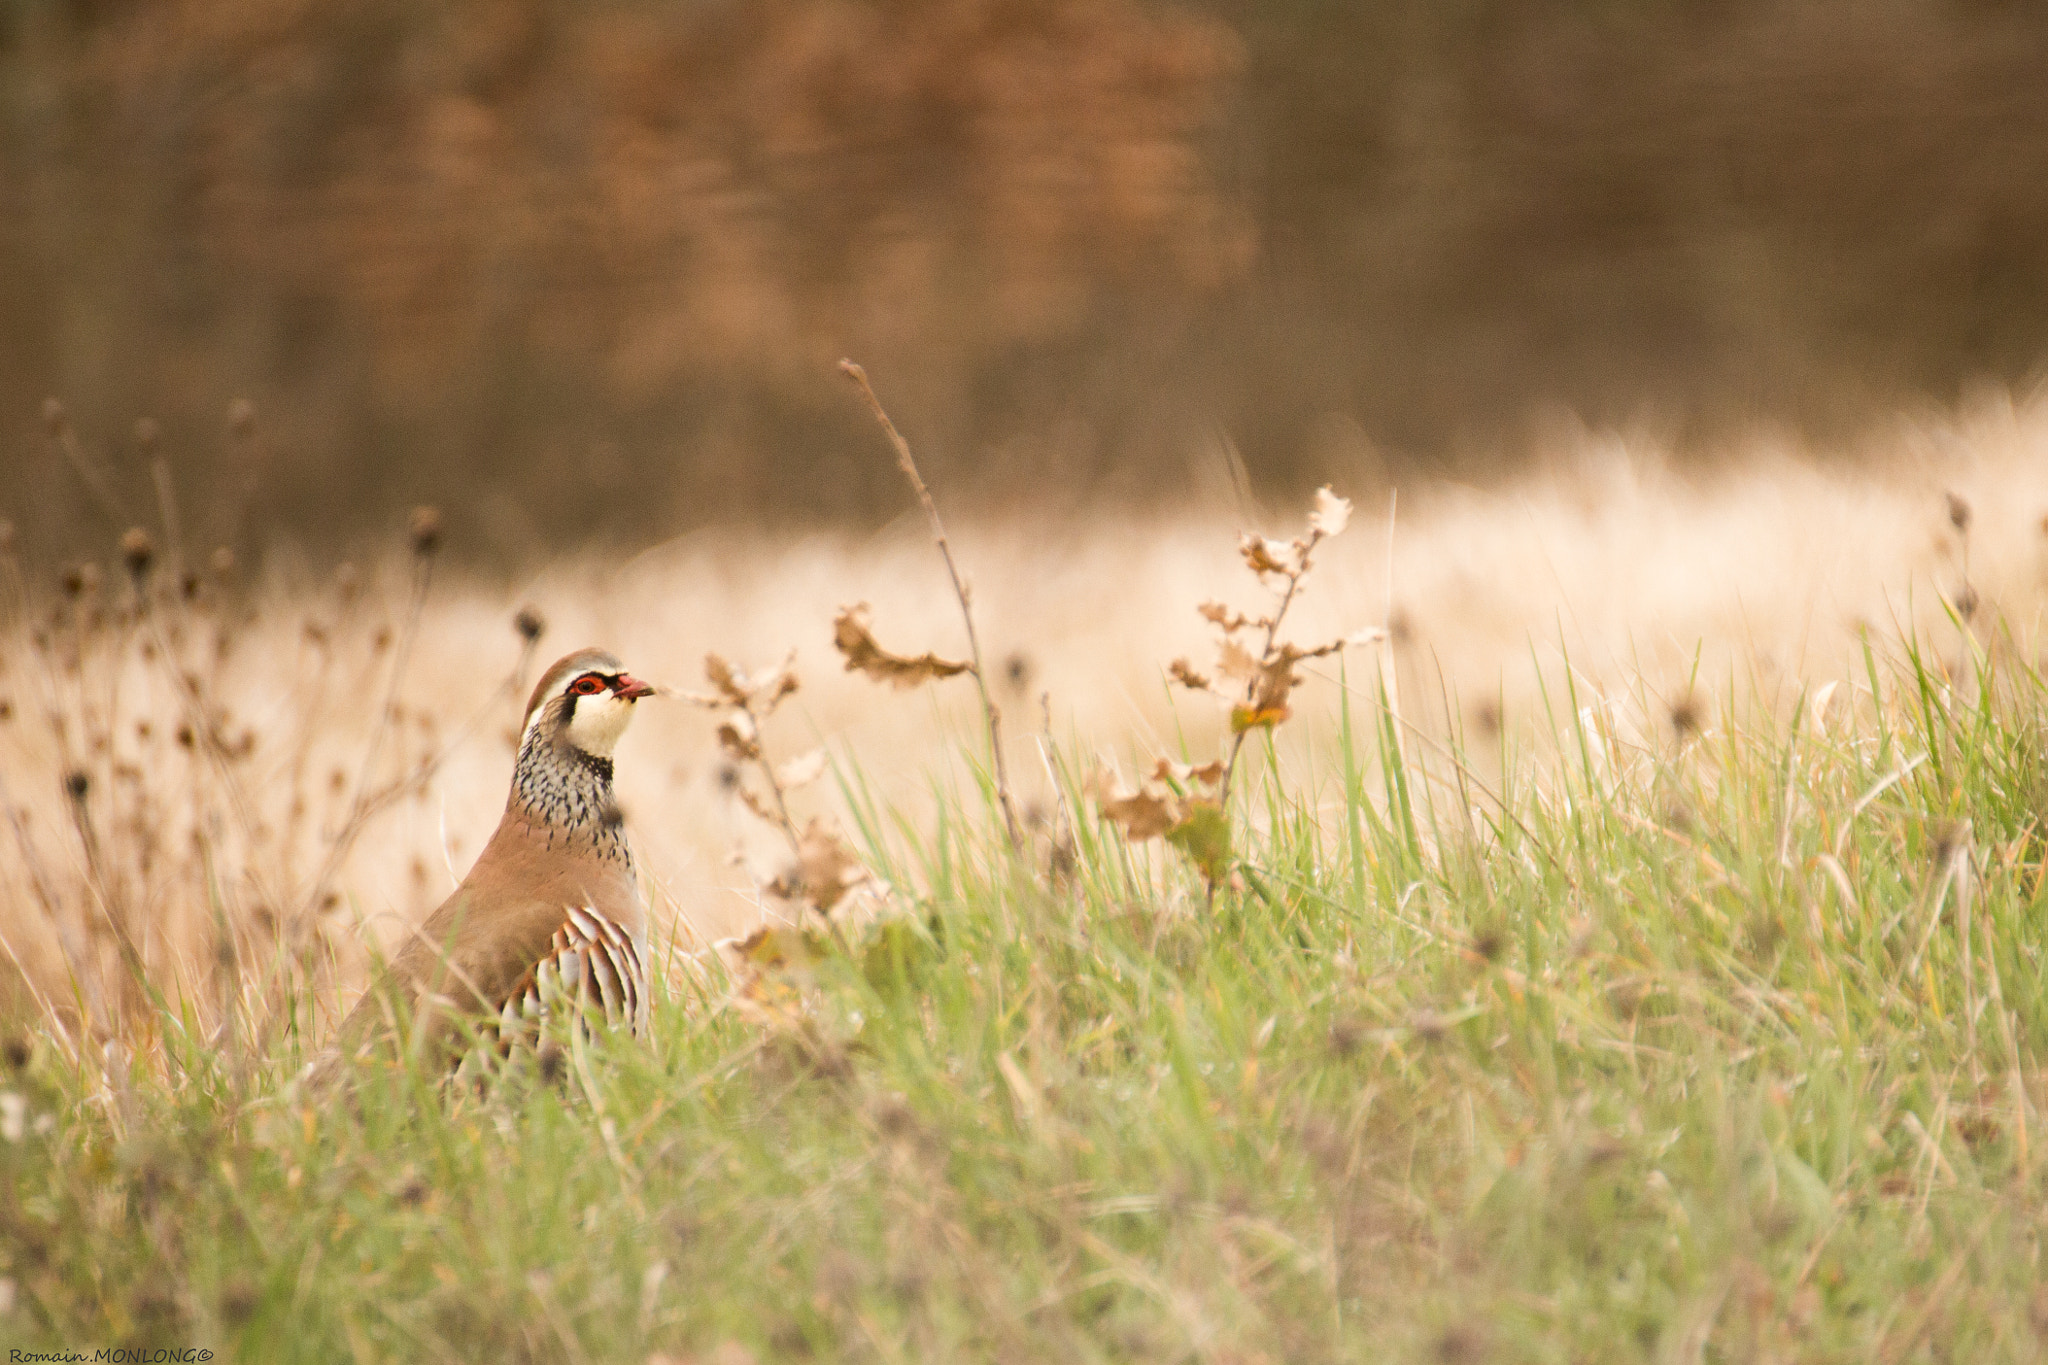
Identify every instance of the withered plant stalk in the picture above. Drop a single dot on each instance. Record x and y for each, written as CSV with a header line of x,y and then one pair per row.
x,y
908,465
1294,574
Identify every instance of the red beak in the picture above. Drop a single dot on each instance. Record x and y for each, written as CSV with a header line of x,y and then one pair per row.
x,y
630,688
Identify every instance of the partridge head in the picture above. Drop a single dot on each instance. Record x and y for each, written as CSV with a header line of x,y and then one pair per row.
x,y
551,910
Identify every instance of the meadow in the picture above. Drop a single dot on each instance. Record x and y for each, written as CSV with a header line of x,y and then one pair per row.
x,y
1627,951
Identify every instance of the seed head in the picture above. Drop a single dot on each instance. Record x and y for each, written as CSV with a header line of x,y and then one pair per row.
x,y
1966,601
242,417
530,624
1958,512
147,433
81,579
76,784
424,527
137,551
16,1052
55,419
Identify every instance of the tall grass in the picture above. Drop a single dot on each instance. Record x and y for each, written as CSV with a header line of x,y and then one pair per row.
x,y
1676,1002
1721,1047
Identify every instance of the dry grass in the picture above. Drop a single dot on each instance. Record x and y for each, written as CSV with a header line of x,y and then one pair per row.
x,y
1670,597
1716,1040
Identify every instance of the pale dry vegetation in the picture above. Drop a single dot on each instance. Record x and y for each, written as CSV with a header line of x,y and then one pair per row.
x,y
242,798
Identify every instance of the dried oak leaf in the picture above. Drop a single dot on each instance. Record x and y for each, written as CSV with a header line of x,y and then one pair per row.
x,y
723,677
1207,774
737,736
850,635
1226,618
1195,826
737,689
1184,673
757,805
1142,814
826,868
1264,556
1273,680
1233,660
1331,515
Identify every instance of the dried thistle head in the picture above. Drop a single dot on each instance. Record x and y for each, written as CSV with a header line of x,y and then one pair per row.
x,y
423,529
1018,670
77,784
147,433
530,624
81,580
1685,716
137,553
242,418
55,420
1958,512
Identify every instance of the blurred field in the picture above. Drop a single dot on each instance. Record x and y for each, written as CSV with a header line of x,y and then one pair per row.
x,y
579,271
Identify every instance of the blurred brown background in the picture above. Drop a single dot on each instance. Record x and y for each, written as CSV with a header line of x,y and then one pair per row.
x,y
582,268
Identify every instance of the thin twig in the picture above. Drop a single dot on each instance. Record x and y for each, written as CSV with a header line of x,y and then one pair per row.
x,y
65,438
1251,688
908,465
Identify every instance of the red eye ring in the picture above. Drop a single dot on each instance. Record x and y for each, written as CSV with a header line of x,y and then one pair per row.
x,y
589,685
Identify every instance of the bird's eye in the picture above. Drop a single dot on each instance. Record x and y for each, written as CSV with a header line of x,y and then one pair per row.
x,y
589,685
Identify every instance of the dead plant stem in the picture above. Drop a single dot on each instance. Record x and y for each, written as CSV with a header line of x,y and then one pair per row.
x,y
908,465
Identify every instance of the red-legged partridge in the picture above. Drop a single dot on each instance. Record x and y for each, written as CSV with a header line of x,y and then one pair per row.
x,y
551,910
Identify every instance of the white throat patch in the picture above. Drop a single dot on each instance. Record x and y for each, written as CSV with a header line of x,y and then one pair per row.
x,y
596,724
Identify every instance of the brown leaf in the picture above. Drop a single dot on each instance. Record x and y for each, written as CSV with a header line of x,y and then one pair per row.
x,y
1331,515
769,691
737,689
757,805
1208,774
1233,660
1276,680
1184,673
737,737
826,867
850,635
1143,814
722,676
1223,616
1264,556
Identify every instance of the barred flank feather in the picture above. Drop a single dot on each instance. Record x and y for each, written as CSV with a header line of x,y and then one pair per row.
x,y
591,962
